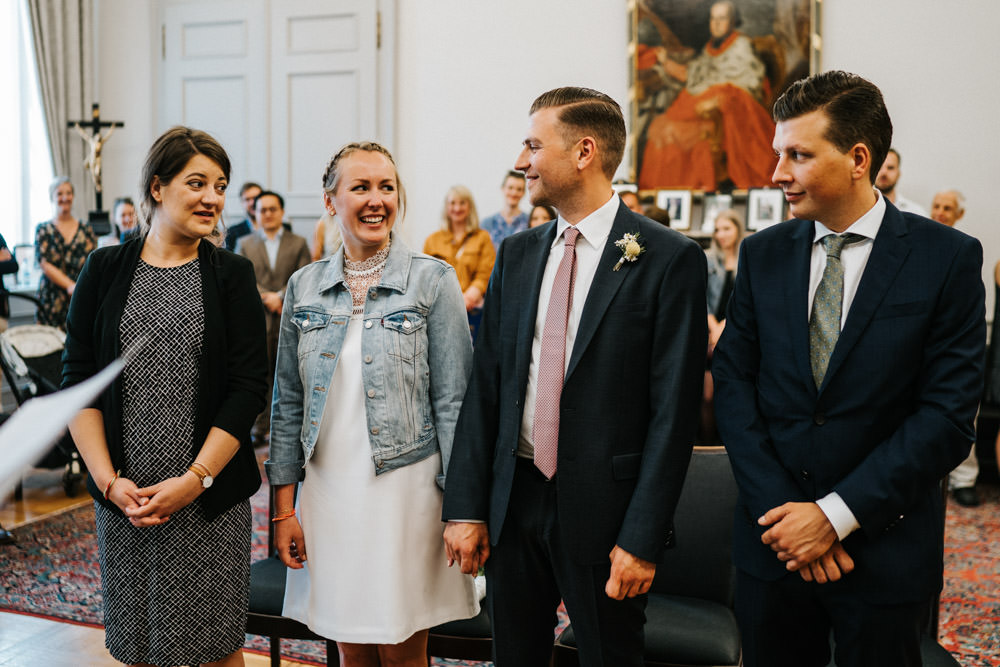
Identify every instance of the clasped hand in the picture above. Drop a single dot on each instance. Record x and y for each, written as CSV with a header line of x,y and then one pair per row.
x,y
803,538
153,505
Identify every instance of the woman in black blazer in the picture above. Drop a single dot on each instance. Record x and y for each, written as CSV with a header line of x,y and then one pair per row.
x,y
168,444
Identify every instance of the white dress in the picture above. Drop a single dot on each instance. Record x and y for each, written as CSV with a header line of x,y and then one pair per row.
x,y
376,569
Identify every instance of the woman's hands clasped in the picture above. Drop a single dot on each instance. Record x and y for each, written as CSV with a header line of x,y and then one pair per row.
x,y
153,505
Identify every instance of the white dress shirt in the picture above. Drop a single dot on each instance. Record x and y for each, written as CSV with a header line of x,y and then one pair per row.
x,y
854,259
594,231
271,246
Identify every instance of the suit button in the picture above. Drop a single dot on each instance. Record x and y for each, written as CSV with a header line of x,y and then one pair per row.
x,y
819,419
805,474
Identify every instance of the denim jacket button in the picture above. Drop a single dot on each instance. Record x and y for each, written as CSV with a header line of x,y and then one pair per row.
x,y
372,294
375,431
368,358
371,393
368,324
407,324
380,463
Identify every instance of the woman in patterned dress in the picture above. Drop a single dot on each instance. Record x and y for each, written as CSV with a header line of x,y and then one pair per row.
x,y
373,357
61,247
168,445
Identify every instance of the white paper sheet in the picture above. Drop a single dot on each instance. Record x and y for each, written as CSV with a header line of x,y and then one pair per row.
x,y
36,426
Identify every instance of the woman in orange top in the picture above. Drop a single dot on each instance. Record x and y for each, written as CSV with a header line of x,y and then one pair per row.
x,y
464,245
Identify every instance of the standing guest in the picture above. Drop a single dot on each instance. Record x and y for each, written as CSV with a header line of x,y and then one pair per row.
x,y
722,259
248,197
850,369
631,200
948,208
168,445
576,429
540,214
326,237
61,247
886,180
464,245
510,219
276,254
124,225
372,364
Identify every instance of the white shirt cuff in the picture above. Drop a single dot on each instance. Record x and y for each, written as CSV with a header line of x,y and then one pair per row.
x,y
839,514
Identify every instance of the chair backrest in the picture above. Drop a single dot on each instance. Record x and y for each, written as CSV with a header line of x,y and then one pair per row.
x,y
700,564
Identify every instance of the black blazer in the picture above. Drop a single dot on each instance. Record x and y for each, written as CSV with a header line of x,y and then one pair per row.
x,y
233,372
896,409
629,406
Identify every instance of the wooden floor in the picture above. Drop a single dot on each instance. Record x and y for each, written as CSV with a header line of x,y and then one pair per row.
x,y
29,640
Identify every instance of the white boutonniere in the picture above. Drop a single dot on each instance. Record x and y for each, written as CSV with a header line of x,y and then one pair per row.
x,y
631,249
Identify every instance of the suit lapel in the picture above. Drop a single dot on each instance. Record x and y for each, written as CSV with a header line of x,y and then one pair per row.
x,y
604,287
797,297
527,270
888,254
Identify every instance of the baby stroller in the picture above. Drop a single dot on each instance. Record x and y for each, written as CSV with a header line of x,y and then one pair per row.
x,y
31,358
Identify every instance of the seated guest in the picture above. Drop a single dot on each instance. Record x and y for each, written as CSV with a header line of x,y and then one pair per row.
x,y
61,247
8,264
541,214
465,246
168,445
248,195
510,219
722,258
372,366
276,254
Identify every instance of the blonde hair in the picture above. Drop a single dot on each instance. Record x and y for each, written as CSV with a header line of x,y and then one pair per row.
x,y
733,217
460,192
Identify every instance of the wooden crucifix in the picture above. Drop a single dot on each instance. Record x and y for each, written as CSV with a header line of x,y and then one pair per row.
x,y
95,141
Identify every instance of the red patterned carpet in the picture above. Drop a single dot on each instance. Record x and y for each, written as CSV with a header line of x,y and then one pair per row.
x,y
52,572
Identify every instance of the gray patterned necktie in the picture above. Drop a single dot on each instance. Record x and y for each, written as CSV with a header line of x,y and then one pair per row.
x,y
824,323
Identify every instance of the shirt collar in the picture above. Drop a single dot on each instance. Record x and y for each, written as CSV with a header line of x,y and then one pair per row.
x,y
867,225
277,237
596,227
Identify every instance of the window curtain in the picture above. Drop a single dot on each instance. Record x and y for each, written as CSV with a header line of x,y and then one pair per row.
x,y
62,35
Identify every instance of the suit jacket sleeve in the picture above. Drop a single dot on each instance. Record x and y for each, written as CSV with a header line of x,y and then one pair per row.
x,y
936,436
677,366
763,481
467,494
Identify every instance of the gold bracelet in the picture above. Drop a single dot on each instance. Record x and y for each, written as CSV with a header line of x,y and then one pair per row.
x,y
114,479
204,469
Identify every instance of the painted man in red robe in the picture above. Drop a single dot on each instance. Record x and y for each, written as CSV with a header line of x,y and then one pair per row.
x,y
725,86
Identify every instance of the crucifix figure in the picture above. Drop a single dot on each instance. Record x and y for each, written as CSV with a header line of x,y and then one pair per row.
x,y
95,139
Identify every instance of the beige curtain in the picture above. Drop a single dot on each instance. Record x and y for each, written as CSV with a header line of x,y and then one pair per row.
x,y
62,33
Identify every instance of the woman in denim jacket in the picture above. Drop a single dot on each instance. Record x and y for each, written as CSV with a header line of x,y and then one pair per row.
x,y
373,358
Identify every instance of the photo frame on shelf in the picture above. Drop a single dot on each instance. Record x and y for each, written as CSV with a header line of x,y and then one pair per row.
x,y
712,206
677,204
765,207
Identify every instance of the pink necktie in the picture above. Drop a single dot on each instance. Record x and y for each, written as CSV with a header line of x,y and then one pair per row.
x,y
552,365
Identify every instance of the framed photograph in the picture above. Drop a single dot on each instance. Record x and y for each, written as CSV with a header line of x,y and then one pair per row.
x,y
677,204
765,207
713,206
703,78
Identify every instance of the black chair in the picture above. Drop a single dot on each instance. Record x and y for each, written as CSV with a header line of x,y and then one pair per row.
x,y
267,593
689,618
466,639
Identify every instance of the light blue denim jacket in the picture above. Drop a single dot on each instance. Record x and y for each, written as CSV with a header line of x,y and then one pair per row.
x,y
416,358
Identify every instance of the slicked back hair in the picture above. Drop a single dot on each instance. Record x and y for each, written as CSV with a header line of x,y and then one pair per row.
x,y
854,107
587,112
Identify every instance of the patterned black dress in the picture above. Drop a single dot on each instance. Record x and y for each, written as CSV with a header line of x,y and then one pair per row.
x,y
174,594
68,258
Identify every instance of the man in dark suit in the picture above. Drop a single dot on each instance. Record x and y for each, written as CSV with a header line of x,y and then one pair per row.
x,y
248,196
846,380
576,429
276,254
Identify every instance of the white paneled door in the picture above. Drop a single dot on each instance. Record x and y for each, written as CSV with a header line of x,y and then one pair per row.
x,y
281,84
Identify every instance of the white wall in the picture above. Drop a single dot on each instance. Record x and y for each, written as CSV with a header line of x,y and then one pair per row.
x,y
467,71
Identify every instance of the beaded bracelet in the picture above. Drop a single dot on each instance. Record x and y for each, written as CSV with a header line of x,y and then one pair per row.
x,y
114,479
285,515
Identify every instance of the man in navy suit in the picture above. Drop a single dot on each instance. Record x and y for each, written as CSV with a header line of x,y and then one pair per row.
x,y
588,525
846,382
